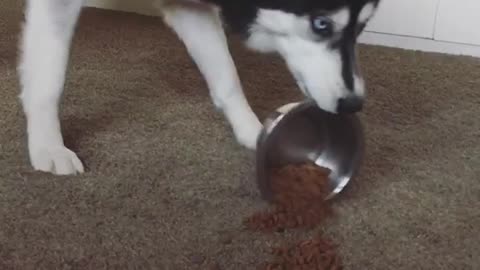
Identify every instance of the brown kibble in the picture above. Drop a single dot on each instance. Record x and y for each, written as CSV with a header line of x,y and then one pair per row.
x,y
298,201
316,253
226,238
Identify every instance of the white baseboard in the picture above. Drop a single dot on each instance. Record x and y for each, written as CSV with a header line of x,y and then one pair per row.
x,y
419,44
144,7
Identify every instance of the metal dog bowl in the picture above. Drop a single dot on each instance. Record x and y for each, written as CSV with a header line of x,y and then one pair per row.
x,y
302,132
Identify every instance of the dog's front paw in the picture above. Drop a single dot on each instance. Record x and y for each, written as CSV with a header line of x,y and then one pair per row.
x,y
56,159
247,134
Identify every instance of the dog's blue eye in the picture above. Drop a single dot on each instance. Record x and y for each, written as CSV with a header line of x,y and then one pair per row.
x,y
322,25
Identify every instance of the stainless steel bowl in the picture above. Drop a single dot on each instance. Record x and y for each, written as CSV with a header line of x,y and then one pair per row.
x,y
301,132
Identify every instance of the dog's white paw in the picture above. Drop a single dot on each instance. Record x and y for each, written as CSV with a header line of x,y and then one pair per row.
x,y
247,134
57,160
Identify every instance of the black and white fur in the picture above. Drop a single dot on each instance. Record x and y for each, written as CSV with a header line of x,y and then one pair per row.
x,y
316,38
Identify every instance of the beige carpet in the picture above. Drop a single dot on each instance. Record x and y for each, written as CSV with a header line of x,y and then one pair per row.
x,y
167,186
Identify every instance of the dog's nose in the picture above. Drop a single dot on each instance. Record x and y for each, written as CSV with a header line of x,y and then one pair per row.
x,y
351,104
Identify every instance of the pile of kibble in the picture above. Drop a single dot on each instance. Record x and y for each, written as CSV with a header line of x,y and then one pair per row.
x,y
316,253
299,202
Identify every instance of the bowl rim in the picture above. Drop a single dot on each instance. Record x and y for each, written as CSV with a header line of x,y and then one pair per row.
x,y
276,119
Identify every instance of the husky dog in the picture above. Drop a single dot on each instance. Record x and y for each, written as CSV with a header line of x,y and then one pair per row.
x,y
316,39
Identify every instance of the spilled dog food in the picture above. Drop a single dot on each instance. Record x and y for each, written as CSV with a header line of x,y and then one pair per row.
x,y
298,202
299,193
316,253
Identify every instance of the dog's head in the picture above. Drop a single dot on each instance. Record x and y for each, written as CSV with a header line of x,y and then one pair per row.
x,y
316,38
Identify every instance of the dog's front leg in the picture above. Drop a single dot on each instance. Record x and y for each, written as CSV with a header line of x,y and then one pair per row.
x,y
45,47
200,28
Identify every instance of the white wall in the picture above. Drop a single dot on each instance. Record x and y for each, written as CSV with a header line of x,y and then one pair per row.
x,y
405,17
447,26
444,26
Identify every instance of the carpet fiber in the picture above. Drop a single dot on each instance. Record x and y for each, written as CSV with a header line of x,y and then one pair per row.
x,y
167,186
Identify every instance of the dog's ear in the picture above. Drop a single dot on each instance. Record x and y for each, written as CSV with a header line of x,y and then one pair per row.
x,y
367,12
